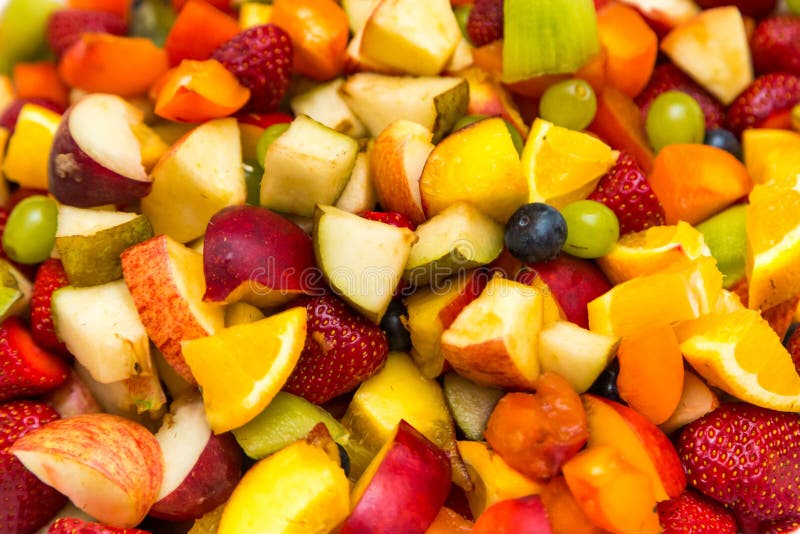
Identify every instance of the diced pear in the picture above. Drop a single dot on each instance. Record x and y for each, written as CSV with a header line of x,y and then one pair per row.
x,y
358,11
15,291
470,404
359,194
325,105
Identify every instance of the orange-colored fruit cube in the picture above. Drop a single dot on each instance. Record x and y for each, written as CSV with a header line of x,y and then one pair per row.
x,y
198,30
631,47
619,122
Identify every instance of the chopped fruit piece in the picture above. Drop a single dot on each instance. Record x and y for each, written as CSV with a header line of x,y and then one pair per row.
x,y
449,522
197,32
391,218
739,353
630,45
619,122
768,96
514,515
65,26
767,150
697,399
470,404
693,181
776,45
535,433
725,235
749,8
760,446
485,22
72,525
25,369
40,80
241,368
26,155
693,512
49,277
566,517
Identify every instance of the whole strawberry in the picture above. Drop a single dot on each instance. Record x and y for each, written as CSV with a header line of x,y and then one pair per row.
x,y
72,525
776,45
626,191
65,26
25,368
485,22
389,217
342,350
693,513
769,95
746,458
26,503
49,277
668,77
261,59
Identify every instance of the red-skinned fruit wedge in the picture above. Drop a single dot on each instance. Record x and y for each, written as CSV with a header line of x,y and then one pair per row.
x,y
535,433
746,458
668,77
524,515
776,45
692,512
26,369
342,350
73,525
261,58
749,8
263,120
197,31
8,119
768,97
485,22
625,190
27,503
619,122
66,25
389,217
49,277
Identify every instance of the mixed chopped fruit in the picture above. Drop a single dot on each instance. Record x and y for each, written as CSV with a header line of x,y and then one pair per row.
x,y
399,266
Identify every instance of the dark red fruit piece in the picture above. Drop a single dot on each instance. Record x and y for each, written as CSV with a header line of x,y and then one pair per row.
x,y
485,22
65,26
776,45
767,96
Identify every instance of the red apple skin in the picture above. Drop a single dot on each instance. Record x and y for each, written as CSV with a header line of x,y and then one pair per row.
x,y
574,282
73,397
74,178
407,490
477,281
209,484
524,515
258,253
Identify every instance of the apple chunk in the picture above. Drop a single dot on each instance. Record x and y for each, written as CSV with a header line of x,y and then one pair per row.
x,y
96,158
110,467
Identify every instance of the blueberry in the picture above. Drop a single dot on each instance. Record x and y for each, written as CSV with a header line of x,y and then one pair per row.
x,y
724,139
394,324
606,383
535,232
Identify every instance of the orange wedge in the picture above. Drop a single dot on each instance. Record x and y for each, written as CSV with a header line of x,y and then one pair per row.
x,y
648,251
739,353
765,151
240,369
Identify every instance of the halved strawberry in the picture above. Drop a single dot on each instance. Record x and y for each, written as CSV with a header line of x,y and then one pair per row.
x,y
72,525
749,8
776,45
668,77
746,458
26,503
389,217
261,59
342,350
769,95
485,22
49,277
626,191
25,368
692,512
65,26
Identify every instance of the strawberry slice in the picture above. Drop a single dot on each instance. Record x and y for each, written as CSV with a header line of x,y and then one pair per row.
x,y
72,525
746,458
626,192
65,26
668,77
26,503
769,95
25,368
776,45
261,59
49,277
342,350
389,217
485,22
696,513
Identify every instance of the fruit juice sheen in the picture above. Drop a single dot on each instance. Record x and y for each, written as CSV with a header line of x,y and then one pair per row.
x,y
437,267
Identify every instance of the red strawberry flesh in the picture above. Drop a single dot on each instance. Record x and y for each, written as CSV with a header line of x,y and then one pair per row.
x,y
65,26
49,277
693,512
769,95
485,22
389,217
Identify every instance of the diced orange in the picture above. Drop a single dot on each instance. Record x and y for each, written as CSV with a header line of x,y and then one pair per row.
x,y
40,80
103,63
319,30
449,522
619,122
118,7
198,30
197,91
651,372
631,47
566,517
694,181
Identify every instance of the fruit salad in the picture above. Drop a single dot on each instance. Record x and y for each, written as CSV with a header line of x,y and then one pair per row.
x,y
399,266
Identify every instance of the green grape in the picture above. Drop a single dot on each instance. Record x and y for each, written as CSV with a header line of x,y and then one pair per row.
x,y
462,16
30,232
592,229
674,117
571,104
252,178
466,120
794,6
271,133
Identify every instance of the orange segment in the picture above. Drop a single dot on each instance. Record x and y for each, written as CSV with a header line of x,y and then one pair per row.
x,y
766,150
739,353
648,251
241,368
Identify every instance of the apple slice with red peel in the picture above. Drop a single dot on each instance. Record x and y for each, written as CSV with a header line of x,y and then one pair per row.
x,y
109,466
96,158
201,468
